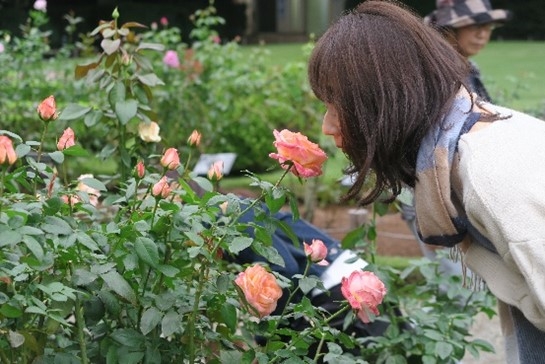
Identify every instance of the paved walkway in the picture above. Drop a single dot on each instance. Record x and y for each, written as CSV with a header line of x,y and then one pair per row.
x,y
488,330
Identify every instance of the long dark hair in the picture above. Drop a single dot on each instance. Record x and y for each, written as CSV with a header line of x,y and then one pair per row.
x,y
391,78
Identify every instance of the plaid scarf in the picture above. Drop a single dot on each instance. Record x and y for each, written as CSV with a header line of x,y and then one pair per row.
x,y
441,220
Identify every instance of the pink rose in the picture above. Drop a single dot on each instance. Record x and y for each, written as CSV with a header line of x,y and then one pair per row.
x,y
161,188
317,251
171,59
163,21
306,156
66,140
47,110
140,169
260,288
40,5
170,159
364,292
7,153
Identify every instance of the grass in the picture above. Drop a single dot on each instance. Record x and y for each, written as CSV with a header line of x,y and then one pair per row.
x,y
512,70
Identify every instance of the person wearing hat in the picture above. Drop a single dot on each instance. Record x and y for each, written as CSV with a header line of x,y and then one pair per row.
x,y
468,24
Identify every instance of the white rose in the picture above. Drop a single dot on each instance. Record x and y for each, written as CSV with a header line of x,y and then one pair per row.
x,y
149,132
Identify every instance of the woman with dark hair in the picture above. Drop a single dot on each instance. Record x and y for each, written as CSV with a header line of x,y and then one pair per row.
x,y
399,105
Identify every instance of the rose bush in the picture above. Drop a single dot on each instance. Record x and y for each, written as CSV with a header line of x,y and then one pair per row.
x,y
138,267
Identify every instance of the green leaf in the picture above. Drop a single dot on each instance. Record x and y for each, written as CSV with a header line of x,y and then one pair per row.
x,y
229,315
119,285
153,46
396,359
307,284
171,323
73,112
117,94
93,118
443,349
240,243
34,246
353,237
110,46
126,110
56,225
10,311
94,183
82,277
168,270
10,237
76,151
87,241
150,318
146,249
128,337
21,150
150,79
57,157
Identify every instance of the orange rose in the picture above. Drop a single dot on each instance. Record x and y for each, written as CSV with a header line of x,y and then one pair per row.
x,y
7,153
306,156
47,110
364,292
67,139
260,288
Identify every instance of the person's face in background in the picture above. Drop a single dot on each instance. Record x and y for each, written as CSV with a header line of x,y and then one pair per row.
x,y
472,38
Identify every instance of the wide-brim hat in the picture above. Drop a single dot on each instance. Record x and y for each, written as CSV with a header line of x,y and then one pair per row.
x,y
461,13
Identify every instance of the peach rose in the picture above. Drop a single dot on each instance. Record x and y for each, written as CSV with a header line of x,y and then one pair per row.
x,y
170,159
317,252
7,153
194,138
306,156
161,188
149,132
215,172
364,292
260,288
67,139
47,110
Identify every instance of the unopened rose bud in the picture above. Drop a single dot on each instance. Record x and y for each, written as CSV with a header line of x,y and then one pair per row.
x,y
161,188
317,252
194,138
7,153
215,173
66,140
140,169
170,159
47,110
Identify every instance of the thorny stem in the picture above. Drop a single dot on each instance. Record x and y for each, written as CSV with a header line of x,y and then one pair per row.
x,y
192,317
80,322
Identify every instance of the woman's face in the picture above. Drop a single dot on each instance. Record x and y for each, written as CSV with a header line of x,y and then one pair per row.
x,y
472,38
331,124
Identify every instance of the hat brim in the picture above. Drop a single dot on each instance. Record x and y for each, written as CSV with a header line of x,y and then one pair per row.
x,y
497,15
